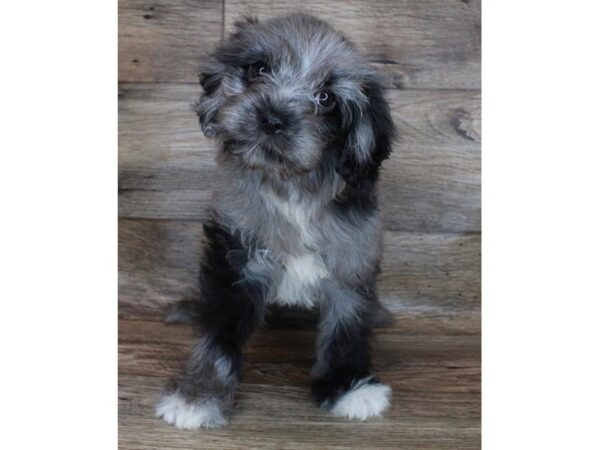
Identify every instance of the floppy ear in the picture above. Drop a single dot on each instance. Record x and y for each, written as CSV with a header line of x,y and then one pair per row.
x,y
369,139
215,81
212,97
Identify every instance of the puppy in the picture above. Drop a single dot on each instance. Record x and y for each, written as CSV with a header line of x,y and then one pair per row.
x,y
302,128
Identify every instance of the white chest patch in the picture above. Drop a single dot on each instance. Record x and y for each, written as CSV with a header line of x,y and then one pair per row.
x,y
296,213
300,274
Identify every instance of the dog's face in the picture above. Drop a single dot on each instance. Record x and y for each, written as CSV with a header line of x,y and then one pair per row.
x,y
281,93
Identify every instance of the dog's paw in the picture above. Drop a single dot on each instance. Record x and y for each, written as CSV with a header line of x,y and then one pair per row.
x,y
365,399
176,410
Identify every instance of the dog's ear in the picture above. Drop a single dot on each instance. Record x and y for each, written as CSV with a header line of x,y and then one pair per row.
x,y
212,98
369,138
214,80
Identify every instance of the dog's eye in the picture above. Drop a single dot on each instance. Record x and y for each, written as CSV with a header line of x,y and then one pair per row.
x,y
256,70
326,100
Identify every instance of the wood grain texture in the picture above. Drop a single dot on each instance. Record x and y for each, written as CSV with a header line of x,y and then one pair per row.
x,y
457,320
424,276
419,44
159,262
155,349
429,53
416,43
431,183
435,381
164,40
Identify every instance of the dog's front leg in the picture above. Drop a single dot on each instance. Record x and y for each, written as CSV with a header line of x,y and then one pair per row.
x,y
343,381
230,308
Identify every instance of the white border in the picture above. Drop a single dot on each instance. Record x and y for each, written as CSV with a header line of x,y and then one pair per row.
x,y
58,240
540,218
541,224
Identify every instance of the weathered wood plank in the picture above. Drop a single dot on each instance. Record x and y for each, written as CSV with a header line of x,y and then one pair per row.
x,y
435,381
164,40
426,278
284,357
431,183
430,281
284,417
419,43
416,43
158,262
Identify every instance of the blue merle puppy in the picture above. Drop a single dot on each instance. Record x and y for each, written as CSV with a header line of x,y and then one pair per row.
x,y
302,128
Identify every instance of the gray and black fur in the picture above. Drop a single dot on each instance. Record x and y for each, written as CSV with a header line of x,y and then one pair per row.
x,y
303,127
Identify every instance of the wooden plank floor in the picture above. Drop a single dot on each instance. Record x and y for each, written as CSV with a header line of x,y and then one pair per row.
x,y
429,53
435,380
430,183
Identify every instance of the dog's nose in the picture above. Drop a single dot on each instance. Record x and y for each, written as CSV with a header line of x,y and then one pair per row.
x,y
270,122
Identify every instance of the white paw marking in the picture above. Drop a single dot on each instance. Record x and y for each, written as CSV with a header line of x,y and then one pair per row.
x,y
175,410
363,400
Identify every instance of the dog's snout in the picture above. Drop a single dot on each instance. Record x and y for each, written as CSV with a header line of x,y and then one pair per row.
x,y
271,122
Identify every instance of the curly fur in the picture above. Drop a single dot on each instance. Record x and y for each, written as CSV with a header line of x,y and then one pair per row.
x,y
295,213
